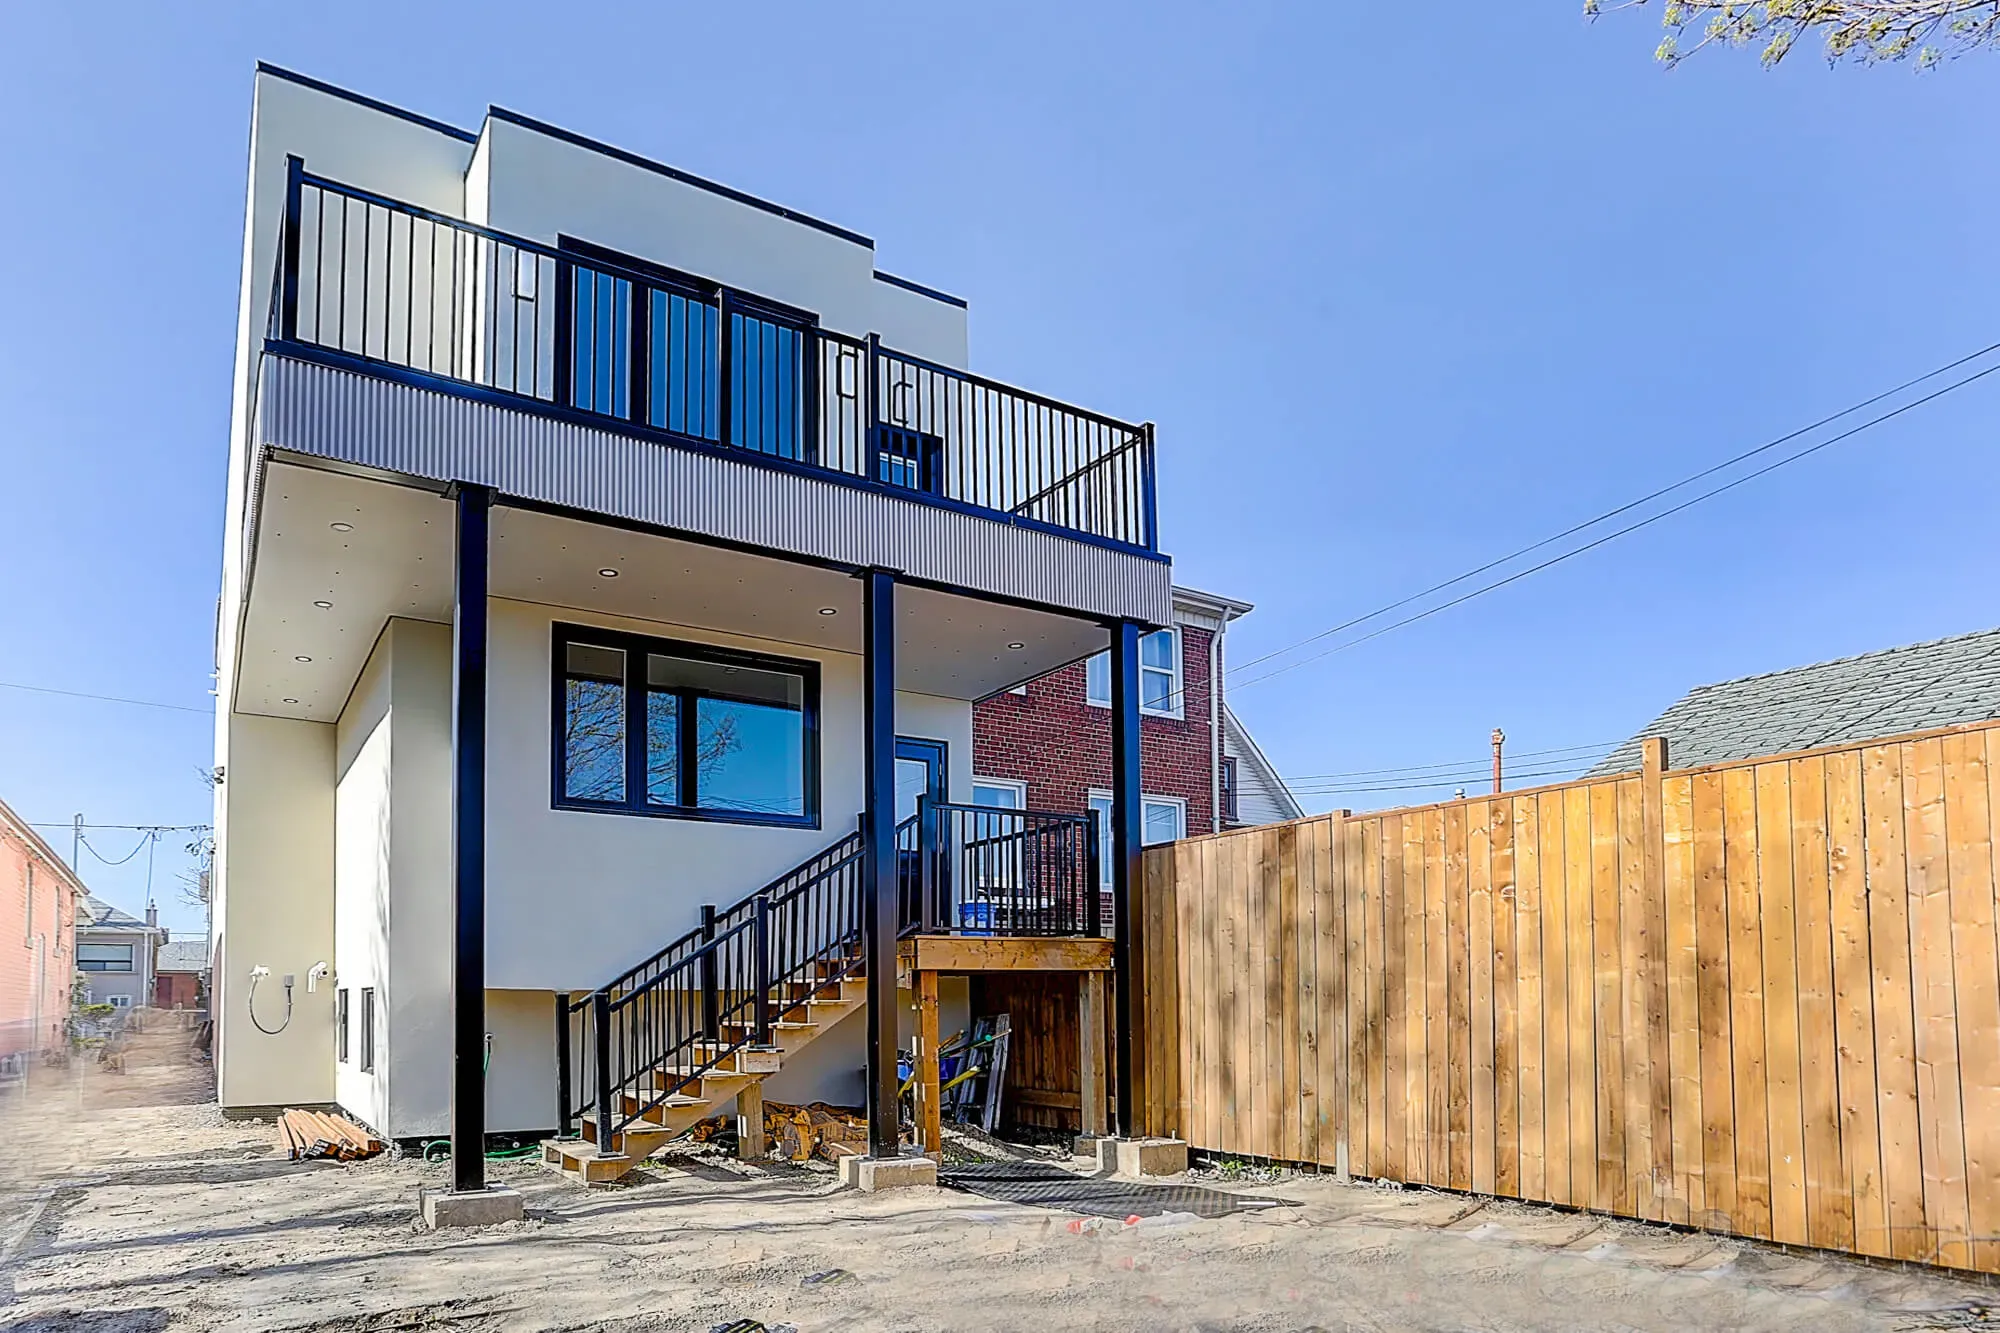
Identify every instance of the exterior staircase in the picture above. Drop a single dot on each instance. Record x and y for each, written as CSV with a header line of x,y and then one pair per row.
x,y
671,1041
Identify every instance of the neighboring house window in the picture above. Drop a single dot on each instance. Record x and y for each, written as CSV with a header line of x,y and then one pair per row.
x,y
1161,819
1229,806
1002,792
653,726
1159,675
104,958
340,1025
367,1029
119,1001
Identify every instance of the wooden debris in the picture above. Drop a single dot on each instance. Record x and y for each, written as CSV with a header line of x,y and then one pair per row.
x,y
306,1135
799,1133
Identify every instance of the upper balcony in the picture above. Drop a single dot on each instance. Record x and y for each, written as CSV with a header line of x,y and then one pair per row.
x,y
577,336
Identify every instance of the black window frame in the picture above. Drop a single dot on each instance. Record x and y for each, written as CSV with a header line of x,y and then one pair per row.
x,y
1231,790
367,1062
635,647
99,965
340,1025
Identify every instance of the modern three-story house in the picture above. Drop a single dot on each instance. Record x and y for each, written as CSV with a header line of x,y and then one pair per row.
x,y
612,562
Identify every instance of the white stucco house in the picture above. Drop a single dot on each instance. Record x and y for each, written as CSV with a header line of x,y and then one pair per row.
x,y
612,561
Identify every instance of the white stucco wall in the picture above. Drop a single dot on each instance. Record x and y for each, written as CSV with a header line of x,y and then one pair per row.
x,y
278,800
362,869
542,187
575,897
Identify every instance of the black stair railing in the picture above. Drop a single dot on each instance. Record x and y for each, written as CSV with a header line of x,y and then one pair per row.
x,y
660,1025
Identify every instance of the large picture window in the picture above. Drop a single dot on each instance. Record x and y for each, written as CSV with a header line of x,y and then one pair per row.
x,y
104,958
659,727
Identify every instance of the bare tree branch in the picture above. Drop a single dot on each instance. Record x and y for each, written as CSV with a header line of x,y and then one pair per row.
x,y
1864,31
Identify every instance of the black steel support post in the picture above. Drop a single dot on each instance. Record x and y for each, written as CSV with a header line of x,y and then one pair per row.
x,y
1127,849
565,1093
879,879
468,841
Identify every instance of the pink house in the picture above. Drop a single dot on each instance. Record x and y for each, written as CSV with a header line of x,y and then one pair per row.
x,y
38,900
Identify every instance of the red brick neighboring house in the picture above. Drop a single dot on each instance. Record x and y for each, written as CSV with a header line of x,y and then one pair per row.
x,y
38,904
1047,745
180,974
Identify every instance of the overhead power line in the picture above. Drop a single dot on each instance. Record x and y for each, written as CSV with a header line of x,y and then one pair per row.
x,y
1630,505
1452,780
1613,535
105,698
1482,765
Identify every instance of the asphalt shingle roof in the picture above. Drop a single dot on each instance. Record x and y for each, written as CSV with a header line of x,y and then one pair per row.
x,y
1942,683
183,956
97,912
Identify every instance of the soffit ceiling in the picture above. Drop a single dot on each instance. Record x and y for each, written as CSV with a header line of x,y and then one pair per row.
x,y
394,558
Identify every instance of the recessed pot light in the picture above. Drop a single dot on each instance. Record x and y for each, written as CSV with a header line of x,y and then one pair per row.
x,y
302,658
607,573
288,701
1017,647
341,527
324,606
829,610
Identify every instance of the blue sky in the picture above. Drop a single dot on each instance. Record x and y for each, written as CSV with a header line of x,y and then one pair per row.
x,y
1400,300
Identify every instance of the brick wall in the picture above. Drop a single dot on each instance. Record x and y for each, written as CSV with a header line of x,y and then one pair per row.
x,y
1057,743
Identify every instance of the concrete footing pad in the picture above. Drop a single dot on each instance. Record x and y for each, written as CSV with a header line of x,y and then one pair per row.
x,y
473,1208
872,1174
1136,1159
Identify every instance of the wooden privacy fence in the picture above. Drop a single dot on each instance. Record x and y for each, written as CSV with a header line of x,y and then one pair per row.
x,y
1760,997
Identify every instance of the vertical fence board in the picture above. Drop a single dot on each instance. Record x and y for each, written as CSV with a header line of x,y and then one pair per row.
x,y
1416,999
1683,1017
1713,1004
1458,1013
1554,854
1783,1107
1854,1006
1829,1206
1940,1131
1976,981
1281,989
1505,1056
1365,1096
1609,1190
1333,1136
1638,1191
1396,1100
1530,986
1582,1094
1436,1003
1895,999
1746,1019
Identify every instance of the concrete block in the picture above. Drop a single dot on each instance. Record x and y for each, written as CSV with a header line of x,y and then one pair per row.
x,y
872,1174
1151,1157
472,1208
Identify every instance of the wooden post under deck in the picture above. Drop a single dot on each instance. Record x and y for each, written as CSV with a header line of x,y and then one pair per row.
x,y
750,1123
1090,1044
930,1111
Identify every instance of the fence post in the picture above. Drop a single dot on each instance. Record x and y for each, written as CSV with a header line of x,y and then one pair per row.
x,y
288,272
600,1018
563,1089
711,1007
760,935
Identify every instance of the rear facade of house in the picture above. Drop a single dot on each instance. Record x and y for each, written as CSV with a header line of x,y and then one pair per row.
x,y
623,555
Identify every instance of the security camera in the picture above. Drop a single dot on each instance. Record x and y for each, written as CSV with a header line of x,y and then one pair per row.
x,y
313,977
259,971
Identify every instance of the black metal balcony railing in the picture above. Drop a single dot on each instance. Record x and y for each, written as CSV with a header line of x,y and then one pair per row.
x,y
983,870
566,331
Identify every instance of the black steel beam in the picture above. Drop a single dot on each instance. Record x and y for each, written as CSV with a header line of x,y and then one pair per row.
x,y
468,840
1127,850
879,870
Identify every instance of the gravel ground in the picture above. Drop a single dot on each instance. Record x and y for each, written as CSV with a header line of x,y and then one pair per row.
x,y
128,1203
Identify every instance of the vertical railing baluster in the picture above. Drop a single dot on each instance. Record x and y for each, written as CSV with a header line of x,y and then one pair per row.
x,y
710,998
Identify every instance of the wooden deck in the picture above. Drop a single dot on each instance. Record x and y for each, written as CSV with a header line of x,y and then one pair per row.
x,y
1001,953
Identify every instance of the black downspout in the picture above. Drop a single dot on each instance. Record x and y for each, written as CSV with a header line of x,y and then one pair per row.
x,y
468,841
1126,850
878,880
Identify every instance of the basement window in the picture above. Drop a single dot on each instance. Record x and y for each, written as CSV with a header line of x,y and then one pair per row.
x,y
367,1029
684,730
340,1025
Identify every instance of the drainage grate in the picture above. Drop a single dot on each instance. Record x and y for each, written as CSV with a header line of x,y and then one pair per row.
x,y
1053,1187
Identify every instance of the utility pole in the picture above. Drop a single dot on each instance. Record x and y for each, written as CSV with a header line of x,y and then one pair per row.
x,y
76,845
1499,740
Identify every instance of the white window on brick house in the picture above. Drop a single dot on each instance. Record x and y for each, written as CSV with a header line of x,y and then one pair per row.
x,y
1159,675
1161,819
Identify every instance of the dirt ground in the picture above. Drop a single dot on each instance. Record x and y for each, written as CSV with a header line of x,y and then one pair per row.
x,y
127,1202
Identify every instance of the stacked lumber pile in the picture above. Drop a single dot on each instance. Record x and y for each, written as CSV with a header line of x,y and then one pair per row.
x,y
311,1134
799,1133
